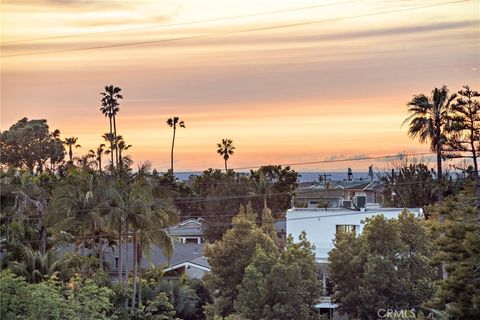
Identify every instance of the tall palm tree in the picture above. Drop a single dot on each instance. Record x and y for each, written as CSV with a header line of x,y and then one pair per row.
x,y
144,212
225,149
110,108
70,143
428,120
173,122
97,154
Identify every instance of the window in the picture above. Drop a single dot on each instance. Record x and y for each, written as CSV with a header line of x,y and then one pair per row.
x,y
346,228
116,262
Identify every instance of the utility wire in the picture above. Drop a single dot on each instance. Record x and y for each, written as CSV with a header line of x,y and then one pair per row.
x,y
216,224
226,33
399,155
187,200
264,13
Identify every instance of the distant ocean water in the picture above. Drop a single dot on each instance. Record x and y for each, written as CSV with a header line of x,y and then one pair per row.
x,y
305,176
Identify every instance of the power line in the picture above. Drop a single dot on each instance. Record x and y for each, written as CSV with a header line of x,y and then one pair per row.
x,y
324,161
215,224
203,199
177,24
220,34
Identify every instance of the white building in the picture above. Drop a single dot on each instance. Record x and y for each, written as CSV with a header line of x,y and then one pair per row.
x,y
321,225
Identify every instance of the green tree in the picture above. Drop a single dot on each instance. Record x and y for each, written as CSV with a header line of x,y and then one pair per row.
x,y
277,185
229,257
31,201
409,184
143,213
71,143
28,144
284,286
225,149
172,123
79,299
110,108
457,244
79,203
35,266
210,187
386,267
88,300
428,121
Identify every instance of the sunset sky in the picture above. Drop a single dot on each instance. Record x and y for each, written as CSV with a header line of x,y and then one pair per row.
x,y
288,81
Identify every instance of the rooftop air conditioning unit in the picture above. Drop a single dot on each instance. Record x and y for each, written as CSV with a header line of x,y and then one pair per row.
x,y
347,203
361,201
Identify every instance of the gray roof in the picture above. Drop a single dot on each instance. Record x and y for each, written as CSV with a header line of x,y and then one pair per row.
x,y
182,252
190,227
201,261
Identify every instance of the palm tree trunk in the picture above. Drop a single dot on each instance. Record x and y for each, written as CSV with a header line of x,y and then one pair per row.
x,y
439,174
120,266
70,152
100,163
100,252
474,152
134,293
115,138
126,251
43,239
111,142
226,170
171,153
140,275
126,259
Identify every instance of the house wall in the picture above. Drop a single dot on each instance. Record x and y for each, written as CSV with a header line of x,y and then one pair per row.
x,y
320,225
195,273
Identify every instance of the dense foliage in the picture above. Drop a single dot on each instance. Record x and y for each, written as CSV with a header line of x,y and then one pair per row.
x,y
385,267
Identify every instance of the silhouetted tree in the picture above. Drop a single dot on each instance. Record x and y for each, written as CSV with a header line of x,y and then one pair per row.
x,y
428,121
71,143
28,144
97,154
225,149
110,108
464,128
173,122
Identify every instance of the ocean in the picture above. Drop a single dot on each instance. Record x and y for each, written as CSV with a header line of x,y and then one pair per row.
x,y
305,176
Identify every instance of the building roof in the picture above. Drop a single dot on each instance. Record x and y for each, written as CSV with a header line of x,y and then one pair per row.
x,y
334,189
199,262
190,227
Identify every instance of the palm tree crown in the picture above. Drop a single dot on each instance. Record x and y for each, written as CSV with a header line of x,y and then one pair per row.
x,y
71,142
97,154
225,149
173,122
428,120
